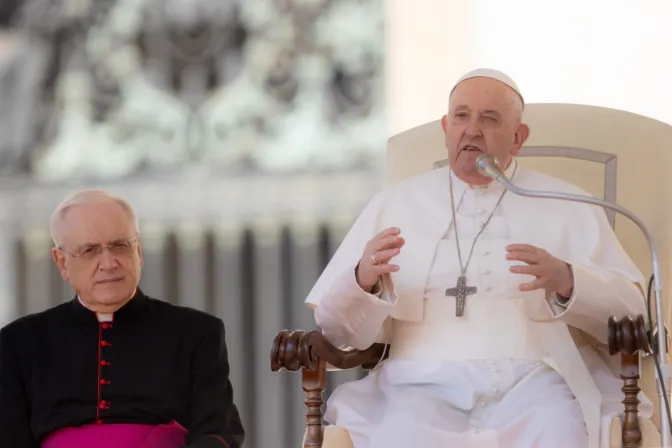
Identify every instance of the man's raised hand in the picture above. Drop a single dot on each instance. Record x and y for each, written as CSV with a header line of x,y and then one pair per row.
x,y
376,257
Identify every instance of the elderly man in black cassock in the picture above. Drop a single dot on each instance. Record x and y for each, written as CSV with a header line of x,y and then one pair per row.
x,y
113,367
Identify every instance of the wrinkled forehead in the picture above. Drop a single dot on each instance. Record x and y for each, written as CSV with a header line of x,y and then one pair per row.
x,y
96,224
483,93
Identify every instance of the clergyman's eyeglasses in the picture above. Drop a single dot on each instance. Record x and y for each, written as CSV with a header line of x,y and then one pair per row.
x,y
119,247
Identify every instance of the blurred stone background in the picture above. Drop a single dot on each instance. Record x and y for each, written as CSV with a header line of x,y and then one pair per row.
x,y
247,134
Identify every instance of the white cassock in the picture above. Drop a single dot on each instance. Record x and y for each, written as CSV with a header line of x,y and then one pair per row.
x,y
517,370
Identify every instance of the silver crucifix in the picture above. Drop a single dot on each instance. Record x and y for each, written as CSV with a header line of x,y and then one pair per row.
x,y
460,292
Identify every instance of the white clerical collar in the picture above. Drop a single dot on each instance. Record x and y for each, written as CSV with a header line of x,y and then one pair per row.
x,y
102,317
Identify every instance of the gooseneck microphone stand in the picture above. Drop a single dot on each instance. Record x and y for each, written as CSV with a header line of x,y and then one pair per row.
x,y
487,165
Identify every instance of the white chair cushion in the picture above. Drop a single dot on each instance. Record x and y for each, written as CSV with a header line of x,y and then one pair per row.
x,y
334,437
650,434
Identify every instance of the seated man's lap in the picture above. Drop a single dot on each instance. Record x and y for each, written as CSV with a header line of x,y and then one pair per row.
x,y
534,407
541,408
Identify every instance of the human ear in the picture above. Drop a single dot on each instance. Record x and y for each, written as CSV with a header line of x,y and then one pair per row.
x,y
519,138
59,259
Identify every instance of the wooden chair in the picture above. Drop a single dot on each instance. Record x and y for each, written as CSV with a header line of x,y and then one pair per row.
x,y
600,150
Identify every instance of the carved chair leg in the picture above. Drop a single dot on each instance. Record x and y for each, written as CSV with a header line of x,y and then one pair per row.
x,y
314,383
632,434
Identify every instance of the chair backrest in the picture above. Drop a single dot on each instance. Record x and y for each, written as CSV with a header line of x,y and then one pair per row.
x,y
616,155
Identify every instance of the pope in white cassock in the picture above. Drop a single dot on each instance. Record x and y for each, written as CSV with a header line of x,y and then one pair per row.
x,y
495,305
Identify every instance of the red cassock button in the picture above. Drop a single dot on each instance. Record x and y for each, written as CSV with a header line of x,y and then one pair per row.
x,y
99,422
105,344
105,363
106,326
104,382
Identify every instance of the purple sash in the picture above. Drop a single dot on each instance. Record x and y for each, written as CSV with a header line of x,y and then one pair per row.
x,y
121,435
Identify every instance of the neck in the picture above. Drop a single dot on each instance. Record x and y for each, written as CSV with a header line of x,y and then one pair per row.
x,y
102,308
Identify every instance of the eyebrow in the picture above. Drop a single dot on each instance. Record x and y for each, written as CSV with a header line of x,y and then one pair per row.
x,y
118,240
491,112
485,112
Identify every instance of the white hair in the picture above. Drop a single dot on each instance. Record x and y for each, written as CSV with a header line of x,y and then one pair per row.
x,y
87,197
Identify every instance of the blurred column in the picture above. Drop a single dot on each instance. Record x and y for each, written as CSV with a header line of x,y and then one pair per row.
x,y
8,272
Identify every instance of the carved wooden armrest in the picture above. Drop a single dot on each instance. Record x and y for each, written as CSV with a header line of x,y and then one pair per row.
x,y
628,337
310,351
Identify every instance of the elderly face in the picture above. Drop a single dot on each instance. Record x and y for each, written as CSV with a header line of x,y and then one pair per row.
x,y
484,117
100,255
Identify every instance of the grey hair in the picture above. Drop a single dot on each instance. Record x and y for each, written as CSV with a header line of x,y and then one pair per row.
x,y
87,197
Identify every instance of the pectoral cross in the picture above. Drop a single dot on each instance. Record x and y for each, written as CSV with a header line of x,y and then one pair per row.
x,y
460,292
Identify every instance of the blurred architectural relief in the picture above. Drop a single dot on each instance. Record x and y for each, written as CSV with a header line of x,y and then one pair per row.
x,y
113,88
248,135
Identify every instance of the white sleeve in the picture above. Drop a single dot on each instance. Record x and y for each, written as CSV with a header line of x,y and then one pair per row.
x,y
606,281
349,316
346,314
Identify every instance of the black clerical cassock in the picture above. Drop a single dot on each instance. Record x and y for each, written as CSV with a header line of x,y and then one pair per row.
x,y
154,365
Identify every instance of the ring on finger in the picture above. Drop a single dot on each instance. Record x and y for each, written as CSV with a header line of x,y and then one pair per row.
x,y
375,260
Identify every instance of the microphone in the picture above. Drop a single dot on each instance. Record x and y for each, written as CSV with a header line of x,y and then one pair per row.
x,y
488,166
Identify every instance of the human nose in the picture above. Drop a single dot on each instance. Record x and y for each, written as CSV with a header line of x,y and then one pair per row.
x,y
473,128
106,260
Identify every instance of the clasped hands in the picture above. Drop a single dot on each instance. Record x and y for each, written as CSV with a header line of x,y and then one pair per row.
x,y
550,273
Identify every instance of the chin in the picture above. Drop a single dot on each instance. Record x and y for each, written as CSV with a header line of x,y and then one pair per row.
x,y
111,294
